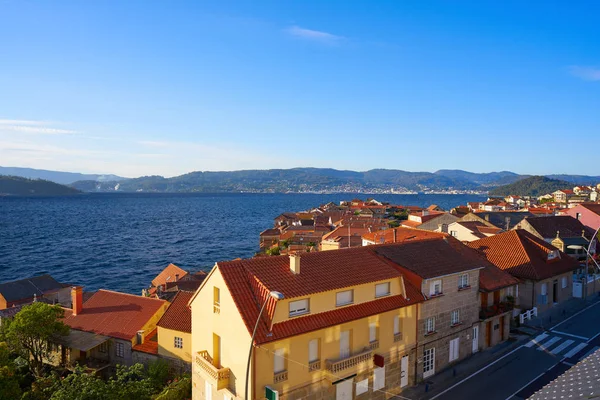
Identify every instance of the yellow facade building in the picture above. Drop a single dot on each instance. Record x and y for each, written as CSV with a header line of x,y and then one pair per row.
x,y
345,326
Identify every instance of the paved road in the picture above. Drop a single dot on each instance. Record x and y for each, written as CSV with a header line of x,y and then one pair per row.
x,y
526,369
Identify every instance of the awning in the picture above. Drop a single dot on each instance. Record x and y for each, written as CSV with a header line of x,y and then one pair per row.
x,y
83,341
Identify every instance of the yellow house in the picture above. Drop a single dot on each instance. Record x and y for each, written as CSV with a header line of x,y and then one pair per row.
x,y
175,329
337,324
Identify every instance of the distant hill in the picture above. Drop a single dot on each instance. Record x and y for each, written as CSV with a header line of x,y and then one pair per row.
x,y
484,179
532,186
64,178
19,186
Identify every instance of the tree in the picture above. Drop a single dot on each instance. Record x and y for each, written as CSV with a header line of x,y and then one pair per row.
x,y
130,383
179,389
9,382
81,386
273,251
32,330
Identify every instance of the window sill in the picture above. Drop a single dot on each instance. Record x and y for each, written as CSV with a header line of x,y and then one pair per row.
x,y
433,296
464,288
344,304
455,325
299,314
430,333
382,295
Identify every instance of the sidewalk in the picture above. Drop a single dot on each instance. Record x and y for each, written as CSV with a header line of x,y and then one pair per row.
x,y
446,378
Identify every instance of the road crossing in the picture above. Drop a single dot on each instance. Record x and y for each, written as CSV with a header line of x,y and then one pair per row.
x,y
558,344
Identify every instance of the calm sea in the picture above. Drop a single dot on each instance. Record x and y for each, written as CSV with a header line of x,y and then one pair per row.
x,y
121,241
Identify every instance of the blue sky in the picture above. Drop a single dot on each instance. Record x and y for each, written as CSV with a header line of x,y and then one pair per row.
x,y
168,87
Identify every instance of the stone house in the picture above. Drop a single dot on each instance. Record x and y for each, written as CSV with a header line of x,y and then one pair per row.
x,y
504,220
467,231
42,287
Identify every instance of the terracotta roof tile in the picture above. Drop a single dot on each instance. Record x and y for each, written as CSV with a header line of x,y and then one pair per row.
x,y
150,344
178,316
168,275
565,224
523,255
402,234
114,314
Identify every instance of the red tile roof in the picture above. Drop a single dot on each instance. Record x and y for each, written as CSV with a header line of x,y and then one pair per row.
x,y
402,234
410,224
114,314
492,278
168,275
150,344
178,316
523,255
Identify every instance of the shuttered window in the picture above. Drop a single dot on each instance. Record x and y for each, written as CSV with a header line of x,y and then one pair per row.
x,y
313,350
382,289
298,307
345,297
279,361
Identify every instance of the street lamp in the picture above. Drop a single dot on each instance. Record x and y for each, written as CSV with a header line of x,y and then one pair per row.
x,y
277,296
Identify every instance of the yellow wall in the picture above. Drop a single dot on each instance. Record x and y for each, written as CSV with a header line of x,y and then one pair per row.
x,y
151,324
166,344
326,301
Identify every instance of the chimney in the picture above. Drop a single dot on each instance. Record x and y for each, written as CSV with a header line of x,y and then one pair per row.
x,y
176,277
295,263
139,337
395,232
77,299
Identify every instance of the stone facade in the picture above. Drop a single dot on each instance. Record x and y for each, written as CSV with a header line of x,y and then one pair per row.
x,y
530,292
494,330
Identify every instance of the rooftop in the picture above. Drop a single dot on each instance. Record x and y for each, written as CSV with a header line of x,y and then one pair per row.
x,y
547,227
178,316
169,274
26,288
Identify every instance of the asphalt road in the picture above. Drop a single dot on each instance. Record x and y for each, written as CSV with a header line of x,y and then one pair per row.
x,y
529,367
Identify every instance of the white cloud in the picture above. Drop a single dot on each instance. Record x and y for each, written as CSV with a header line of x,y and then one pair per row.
x,y
32,127
586,73
20,122
310,34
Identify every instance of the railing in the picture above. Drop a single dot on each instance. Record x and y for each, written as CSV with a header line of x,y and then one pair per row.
x,y
280,377
220,376
374,344
217,308
528,314
494,310
398,337
314,366
335,366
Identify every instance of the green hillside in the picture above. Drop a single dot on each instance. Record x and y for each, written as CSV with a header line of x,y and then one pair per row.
x,y
532,186
18,186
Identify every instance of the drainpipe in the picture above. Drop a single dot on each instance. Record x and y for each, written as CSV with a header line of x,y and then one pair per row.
x,y
416,343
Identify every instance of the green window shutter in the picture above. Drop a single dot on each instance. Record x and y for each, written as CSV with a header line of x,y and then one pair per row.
x,y
271,394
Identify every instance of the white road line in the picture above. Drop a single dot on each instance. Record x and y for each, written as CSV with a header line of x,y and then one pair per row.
x,y
575,350
475,373
538,339
574,315
590,352
527,384
562,346
570,334
549,343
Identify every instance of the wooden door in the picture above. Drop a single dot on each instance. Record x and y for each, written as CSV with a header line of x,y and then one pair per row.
x,y
488,333
502,328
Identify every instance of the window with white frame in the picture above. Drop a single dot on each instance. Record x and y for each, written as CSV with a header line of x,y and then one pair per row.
x,y
564,282
453,233
455,317
435,288
382,289
372,332
430,325
397,325
279,361
344,298
299,307
510,291
463,281
119,349
178,342
313,350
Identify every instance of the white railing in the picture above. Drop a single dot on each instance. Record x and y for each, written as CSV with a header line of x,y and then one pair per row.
x,y
528,314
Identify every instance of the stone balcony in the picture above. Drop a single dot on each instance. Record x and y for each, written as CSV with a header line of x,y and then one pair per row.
x,y
218,376
348,365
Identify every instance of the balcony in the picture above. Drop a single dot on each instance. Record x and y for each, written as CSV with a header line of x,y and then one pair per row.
x,y
314,366
335,367
374,344
496,309
219,376
216,308
280,377
398,337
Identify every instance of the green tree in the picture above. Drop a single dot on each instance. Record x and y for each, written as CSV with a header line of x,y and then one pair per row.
x,y
81,386
158,374
31,332
9,384
273,251
393,224
130,383
179,389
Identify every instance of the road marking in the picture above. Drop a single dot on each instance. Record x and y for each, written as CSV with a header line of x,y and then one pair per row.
x,y
574,315
537,340
527,384
475,373
590,352
594,337
563,346
570,334
549,343
575,350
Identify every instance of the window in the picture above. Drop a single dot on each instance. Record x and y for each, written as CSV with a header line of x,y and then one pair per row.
x,y
178,343
397,325
313,350
428,362
564,282
382,289
344,298
463,281
279,361
510,291
454,345
454,318
435,288
298,307
372,332
216,300
453,233
378,378
119,349
103,348
207,390
430,325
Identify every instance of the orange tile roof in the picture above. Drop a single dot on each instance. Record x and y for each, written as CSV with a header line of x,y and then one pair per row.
x,y
178,316
168,275
150,344
523,255
114,314
492,278
410,224
402,234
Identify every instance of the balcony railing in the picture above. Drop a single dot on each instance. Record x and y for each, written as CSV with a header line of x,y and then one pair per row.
x,y
374,344
220,376
494,310
398,337
216,308
335,366
280,377
314,366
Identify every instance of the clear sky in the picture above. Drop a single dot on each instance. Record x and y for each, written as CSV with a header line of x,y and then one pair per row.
x,y
168,87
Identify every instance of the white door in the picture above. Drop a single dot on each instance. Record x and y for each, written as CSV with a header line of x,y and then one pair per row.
x,y
428,362
404,371
207,390
577,289
475,339
454,349
344,344
343,390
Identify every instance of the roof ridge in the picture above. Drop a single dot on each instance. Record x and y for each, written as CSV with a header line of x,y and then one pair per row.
x,y
129,294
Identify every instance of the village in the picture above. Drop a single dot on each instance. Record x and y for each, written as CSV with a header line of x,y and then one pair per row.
x,y
409,293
